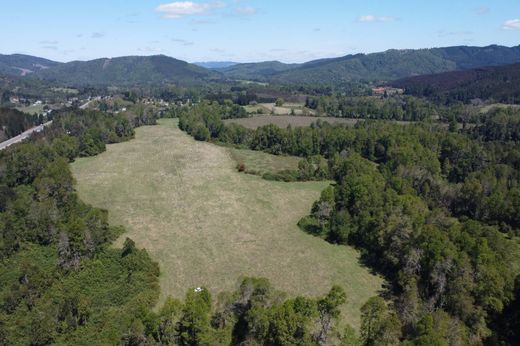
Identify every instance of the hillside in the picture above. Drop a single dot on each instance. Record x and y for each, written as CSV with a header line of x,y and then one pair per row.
x,y
261,71
388,65
130,70
499,83
214,65
21,65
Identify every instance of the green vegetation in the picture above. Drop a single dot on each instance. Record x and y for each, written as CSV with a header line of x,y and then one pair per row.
x,y
392,64
283,121
424,208
127,71
60,281
208,225
260,163
496,84
14,122
32,109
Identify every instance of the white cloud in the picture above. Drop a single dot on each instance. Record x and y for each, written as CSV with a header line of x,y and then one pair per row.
x,y
375,19
246,10
179,9
511,24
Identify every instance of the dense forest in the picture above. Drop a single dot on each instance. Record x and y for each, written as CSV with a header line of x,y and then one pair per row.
x,y
60,281
497,84
431,209
388,108
13,122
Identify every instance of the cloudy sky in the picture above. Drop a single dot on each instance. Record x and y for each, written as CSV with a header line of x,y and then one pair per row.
x,y
250,30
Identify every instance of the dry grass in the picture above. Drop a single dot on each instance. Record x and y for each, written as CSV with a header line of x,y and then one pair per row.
x,y
208,225
258,162
285,120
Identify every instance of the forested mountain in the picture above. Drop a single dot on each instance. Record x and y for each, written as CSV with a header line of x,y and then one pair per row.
x,y
499,83
392,64
21,65
214,65
130,70
261,71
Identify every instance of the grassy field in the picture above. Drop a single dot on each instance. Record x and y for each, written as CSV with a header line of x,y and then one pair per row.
x,y
208,225
258,162
32,109
286,120
286,109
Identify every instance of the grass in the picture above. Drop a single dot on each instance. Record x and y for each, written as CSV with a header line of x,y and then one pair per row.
x,y
258,162
487,108
208,225
286,120
32,109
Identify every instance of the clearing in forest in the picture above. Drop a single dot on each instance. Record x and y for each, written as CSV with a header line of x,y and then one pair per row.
x,y
208,225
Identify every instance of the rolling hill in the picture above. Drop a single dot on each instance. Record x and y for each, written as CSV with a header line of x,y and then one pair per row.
x,y
129,70
21,65
389,65
261,71
145,70
215,65
499,83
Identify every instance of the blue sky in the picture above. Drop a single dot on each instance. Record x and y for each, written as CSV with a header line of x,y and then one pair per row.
x,y
250,30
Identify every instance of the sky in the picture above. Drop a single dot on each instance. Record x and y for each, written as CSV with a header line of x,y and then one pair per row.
x,y
250,30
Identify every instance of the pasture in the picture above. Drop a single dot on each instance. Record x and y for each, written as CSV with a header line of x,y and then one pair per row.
x,y
258,162
208,225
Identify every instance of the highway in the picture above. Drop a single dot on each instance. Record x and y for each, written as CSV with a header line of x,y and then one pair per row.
x,y
36,129
24,135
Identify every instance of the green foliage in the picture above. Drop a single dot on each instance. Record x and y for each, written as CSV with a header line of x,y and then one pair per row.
x,y
60,281
404,108
193,326
379,326
13,122
425,206
497,84
127,71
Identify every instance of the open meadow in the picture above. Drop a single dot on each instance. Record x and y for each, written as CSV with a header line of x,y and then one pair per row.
x,y
207,224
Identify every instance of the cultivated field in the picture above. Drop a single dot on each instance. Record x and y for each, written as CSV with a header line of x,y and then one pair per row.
x,y
208,225
286,120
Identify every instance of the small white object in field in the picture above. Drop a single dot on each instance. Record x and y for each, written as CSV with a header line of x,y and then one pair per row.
x,y
198,289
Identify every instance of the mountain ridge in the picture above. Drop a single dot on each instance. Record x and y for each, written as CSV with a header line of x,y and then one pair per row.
x,y
392,64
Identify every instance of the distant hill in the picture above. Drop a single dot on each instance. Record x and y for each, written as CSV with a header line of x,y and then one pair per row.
x,y
390,65
215,65
21,65
129,70
261,71
499,83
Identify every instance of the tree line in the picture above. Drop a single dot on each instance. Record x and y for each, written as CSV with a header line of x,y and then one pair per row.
x,y
432,210
61,282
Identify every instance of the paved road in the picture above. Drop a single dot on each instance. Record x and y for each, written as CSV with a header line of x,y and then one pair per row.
x,y
23,135
36,129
